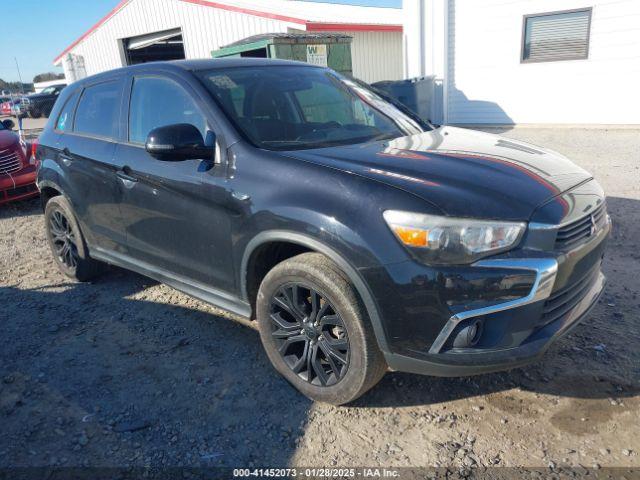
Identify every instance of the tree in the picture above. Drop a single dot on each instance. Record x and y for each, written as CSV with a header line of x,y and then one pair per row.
x,y
15,87
46,77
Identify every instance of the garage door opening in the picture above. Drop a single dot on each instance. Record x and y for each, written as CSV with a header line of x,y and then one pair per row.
x,y
154,47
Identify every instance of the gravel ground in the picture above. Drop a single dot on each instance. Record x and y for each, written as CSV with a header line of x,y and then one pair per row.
x,y
128,372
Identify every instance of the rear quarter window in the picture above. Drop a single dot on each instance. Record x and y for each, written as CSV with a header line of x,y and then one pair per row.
x,y
65,119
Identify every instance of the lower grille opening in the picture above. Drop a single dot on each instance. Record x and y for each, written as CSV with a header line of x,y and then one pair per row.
x,y
563,301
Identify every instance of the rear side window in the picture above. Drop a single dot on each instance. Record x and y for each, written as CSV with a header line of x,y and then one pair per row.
x,y
65,118
97,113
158,102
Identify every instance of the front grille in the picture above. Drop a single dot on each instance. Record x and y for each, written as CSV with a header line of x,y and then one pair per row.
x,y
581,229
9,161
562,301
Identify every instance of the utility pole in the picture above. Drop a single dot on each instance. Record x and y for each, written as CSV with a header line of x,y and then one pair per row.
x,y
19,76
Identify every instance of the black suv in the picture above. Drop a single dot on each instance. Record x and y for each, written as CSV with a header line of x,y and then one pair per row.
x,y
358,237
41,104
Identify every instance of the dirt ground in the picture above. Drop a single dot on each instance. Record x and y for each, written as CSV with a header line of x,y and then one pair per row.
x,y
127,372
28,123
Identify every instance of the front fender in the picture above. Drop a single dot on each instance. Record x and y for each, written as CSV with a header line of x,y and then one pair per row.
x,y
314,244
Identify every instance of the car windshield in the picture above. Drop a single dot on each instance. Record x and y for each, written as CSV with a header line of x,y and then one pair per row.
x,y
48,90
297,107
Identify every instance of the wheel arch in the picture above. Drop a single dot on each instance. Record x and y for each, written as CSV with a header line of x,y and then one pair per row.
x,y
314,245
48,190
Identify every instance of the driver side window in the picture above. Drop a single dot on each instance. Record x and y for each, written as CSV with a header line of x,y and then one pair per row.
x,y
158,102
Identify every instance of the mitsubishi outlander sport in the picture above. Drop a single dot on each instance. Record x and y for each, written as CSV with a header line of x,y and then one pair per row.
x,y
358,237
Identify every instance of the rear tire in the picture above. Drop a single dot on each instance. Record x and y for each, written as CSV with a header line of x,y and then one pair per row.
x,y
316,332
35,114
67,243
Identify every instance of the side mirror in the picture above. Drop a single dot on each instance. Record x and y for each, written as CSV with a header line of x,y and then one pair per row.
x,y
8,124
175,143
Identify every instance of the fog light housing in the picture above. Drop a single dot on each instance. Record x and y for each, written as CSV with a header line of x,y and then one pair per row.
x,y
470,335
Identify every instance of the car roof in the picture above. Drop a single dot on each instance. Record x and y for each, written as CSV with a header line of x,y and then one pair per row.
x,y
196,65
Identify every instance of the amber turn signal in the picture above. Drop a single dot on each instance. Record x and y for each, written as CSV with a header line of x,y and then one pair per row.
x,y
412,237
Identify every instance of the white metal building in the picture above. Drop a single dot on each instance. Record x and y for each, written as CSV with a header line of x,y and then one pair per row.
x,y
195,28
528,61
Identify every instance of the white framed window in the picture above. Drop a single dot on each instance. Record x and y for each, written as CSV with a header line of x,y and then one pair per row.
x,y
555,36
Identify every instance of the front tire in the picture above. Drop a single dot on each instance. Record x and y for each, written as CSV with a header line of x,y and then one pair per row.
x,y
316,332
67,243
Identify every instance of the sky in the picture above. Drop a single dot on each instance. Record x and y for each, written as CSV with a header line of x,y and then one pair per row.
x,y
43,29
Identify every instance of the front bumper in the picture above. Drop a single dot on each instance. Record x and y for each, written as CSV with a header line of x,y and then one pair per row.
x,y
526,300
485,361
19,185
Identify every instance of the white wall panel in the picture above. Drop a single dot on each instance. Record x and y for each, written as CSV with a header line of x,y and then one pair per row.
x,y
489,84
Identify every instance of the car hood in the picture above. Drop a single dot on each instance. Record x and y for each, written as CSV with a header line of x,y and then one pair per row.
x,y
462,172
36,96
7,139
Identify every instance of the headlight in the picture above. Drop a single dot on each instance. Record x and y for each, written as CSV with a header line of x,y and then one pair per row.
x,y
443,240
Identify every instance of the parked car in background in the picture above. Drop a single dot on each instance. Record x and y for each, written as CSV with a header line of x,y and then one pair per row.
x,y
40,104
17,166
19,108
13,107
360,237
6,107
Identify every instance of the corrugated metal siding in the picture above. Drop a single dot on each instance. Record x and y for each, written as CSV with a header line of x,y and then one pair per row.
x,y
204,29
489,84
376,55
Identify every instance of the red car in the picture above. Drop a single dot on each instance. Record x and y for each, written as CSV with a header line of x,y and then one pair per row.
x,y
17,171
5,107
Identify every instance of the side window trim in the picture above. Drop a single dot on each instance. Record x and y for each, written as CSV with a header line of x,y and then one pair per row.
x,y
163,76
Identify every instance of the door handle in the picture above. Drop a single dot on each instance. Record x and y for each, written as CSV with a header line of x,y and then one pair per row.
x,y
127,179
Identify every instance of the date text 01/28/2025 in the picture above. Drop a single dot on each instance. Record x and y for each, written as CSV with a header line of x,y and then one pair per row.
x,y
316,473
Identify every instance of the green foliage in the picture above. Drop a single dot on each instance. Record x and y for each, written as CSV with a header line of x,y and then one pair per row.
x,y
15,87
47,77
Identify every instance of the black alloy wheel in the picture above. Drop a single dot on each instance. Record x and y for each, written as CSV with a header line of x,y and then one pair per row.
x,y
64,240
315,330
310,334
